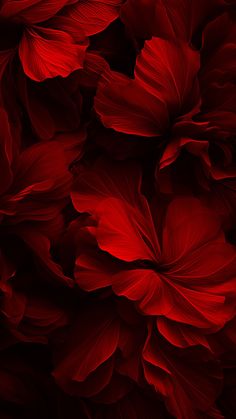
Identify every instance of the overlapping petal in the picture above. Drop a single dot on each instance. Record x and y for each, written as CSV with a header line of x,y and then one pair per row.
x,y
164,87
52,53
167,19
191,376
189,278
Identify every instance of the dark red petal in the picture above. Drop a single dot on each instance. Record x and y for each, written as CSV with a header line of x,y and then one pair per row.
x,y
40,245
124,233
189,375
40,188
167,70
6,152
143,286
93,16
32,11
181,335
93,342
125,228
125,106
168,19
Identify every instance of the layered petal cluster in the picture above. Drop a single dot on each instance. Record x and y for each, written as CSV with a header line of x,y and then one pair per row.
x,y
164,87
117,209
173,264
52,36
42,44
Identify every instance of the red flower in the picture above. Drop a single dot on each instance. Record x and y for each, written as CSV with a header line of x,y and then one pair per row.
x,y
180,268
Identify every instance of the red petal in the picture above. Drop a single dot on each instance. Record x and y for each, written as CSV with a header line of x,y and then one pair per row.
x,y
93,16
40,188
94,271
181,335
112,195
6,152
47,53
167,18
32,11
40,245
167,70
165,86
189,380
92,343
126,107
124,233
174,148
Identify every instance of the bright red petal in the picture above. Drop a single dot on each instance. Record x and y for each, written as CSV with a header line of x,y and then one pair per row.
x,y
47,53
125,228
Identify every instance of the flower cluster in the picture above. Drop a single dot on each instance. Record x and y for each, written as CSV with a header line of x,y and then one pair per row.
x,y
118,209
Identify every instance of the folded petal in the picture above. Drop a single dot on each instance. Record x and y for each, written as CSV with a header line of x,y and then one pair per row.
x,y
168,71
189,380
164,87
94,271
156,295
143,286
111,193
180,335
40,246
93,16
47,53
39,188
125,106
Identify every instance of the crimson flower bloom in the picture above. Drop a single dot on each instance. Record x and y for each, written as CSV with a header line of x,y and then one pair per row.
x,y
178,268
